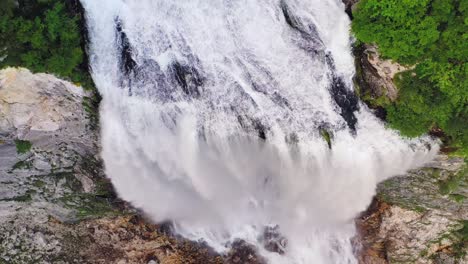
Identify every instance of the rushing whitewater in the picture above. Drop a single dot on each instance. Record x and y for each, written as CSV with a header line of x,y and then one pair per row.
x,y
213,117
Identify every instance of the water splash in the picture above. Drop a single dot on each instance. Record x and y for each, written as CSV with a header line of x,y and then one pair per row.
x,y
212,115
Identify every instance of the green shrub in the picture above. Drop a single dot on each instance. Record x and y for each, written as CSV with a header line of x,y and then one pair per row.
x,y
419,106
23,146
433,35
460,248
327,136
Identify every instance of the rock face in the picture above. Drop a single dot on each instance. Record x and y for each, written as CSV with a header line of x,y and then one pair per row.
x,y
421,217
379,73
45,138
374,78
48,163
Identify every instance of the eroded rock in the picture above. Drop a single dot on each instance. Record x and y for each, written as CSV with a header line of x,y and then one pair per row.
x,y
417,219
48,163
375,76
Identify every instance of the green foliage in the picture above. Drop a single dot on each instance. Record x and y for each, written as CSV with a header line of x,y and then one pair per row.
x,y
27,197
453,183
6,7
460,249
89,206
44,36
22,165
327,137
418,107
459,198
23,146
373,101
433,35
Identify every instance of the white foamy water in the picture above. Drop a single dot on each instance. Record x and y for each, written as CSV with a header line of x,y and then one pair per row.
x,y
211,117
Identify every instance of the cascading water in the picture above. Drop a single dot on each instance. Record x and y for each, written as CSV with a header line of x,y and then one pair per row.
x,y
213,117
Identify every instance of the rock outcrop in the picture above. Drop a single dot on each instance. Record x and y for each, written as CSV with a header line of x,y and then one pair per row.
x,y
47,144
49,168
421,217
376,75
374,79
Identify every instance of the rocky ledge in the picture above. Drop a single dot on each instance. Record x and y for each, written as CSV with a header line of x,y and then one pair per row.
x,y
421,217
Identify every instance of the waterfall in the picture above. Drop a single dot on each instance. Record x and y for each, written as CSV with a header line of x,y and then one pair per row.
x,y
214,115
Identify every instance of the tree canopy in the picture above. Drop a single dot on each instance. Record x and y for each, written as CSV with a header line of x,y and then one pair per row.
x,y
44,36
433,36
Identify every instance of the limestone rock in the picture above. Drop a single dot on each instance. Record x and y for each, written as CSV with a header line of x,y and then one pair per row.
x,y
34,104
47,151
375,76
386,69
44,136
419,217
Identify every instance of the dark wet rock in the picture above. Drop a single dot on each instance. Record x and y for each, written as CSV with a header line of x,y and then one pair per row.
x,y
343,96
166,228
127,62
347,100
273,241
350,6
188,78
243,253
254,126
307,37
150,79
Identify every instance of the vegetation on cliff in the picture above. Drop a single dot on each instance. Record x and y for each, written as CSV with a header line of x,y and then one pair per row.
x,y
44,36
433,36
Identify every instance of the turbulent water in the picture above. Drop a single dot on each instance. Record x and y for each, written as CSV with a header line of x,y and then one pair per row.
x,y
214,115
